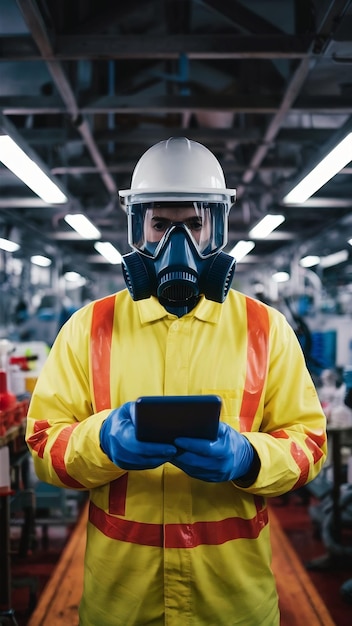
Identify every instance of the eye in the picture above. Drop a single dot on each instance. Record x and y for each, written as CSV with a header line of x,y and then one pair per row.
x,y
195,223
160,224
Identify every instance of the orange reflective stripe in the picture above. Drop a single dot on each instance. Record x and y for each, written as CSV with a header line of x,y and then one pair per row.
x,y
101,336
57,454
37,441
257,361
117,495
303,463
314,442
178,535
100,355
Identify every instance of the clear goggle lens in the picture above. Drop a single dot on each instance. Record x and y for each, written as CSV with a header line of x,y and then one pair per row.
x,y
149,223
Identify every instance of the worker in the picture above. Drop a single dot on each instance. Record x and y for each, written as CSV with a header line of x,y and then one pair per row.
x,y
347,379
178,533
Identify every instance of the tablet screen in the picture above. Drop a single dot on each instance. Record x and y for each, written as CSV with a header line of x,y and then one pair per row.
x,y
163,418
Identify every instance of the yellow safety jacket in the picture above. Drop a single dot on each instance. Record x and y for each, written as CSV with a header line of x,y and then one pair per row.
x,y
164,548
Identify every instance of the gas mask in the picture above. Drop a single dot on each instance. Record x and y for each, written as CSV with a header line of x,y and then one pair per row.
x,y
177,254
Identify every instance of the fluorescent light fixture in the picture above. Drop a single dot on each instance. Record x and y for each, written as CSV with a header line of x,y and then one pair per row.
x,y
108,251
8,245
29,172
338,158
334,259
310,260
266,226
39,259
72,277
241,249
81,224
281,277
350,242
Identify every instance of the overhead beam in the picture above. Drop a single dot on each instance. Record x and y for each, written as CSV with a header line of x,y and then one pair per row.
x,y
210,46
275,123
242,17
35,22
148,136
294,86
229,167
260,104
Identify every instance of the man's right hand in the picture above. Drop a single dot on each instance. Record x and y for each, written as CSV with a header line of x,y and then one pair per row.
x,y
118,441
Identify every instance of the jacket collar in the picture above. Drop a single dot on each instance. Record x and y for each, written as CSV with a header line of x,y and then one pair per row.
x,y
150,310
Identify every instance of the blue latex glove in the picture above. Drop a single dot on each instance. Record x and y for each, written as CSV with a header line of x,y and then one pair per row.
x,y
229,457
118,441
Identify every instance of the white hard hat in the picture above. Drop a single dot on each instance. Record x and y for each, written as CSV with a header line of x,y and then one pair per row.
x,y
178,169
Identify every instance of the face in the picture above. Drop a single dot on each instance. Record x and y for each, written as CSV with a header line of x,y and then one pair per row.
x,y
150,224
159,220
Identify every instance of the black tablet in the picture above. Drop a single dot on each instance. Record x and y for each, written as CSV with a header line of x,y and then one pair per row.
x,y
163,418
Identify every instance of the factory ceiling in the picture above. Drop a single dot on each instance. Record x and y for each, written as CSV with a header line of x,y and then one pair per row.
x,y
86,86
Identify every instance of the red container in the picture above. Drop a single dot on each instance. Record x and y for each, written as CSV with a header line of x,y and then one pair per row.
x,y
7,399
7,405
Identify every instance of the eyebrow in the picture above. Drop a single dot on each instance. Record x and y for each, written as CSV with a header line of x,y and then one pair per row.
x,y
159,218
187,220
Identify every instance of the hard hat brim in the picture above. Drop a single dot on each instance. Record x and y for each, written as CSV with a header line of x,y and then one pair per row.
x,y
131,196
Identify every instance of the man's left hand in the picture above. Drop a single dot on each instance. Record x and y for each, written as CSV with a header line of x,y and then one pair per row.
x,y
228,458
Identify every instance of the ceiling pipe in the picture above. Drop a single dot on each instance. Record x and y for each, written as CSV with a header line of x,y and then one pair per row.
x,y
36,25
293,89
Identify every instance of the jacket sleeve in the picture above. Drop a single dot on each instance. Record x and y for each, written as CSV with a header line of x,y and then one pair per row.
x,y
62,428
291,442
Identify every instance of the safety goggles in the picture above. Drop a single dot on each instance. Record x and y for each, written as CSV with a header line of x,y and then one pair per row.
x,y
150,223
